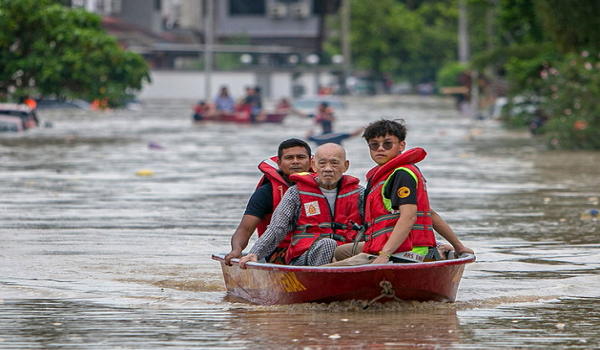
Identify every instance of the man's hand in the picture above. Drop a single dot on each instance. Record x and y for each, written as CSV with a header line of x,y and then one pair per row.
x,y
381,259
245,259
233,254
462,250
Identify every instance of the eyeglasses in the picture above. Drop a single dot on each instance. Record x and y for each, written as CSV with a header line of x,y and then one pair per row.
x,y
387,145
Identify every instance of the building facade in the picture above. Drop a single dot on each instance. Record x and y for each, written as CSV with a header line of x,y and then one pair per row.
x,y
262,36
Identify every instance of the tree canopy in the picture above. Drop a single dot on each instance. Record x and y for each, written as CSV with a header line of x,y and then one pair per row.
x,y
48,49
547,51
410,39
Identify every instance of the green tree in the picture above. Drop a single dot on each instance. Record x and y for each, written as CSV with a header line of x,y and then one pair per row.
x,y
571,88
571,25
549,50
410,40
432,42
48,49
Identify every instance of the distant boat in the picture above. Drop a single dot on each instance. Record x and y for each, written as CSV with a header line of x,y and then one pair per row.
x,y
243,117
269,284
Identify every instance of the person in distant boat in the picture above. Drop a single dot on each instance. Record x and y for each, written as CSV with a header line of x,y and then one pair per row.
x,y
283,106
253,102
293,156
201,110
324,117
321,211
333,137
398,219
224,103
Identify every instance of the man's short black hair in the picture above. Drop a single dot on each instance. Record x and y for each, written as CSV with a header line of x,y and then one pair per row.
x,y
289,143
384,127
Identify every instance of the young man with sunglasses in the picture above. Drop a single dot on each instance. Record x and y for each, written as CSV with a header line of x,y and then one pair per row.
x,y
398,219
293,156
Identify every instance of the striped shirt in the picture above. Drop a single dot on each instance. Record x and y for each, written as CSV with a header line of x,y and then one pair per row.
x,y
284,220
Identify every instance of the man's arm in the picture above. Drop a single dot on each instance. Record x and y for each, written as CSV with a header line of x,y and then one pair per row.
x,y
408,217
357,132
259,206
241,237
442,227
283,221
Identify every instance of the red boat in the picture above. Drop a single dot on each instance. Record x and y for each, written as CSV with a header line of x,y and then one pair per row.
x,y
270,284
243,116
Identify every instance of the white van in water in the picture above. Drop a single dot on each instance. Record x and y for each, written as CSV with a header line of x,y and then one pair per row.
x,y
16,117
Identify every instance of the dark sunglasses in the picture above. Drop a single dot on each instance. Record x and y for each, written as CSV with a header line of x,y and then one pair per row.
x,y
387,145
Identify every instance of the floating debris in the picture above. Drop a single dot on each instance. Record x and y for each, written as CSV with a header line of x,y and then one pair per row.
x,y
590,214
144,172
154,145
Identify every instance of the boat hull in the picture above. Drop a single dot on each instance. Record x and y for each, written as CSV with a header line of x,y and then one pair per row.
x,y
270,284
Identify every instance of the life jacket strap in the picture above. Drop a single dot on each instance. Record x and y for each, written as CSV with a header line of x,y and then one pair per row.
x,y
333,225
379,233
333,236
301,232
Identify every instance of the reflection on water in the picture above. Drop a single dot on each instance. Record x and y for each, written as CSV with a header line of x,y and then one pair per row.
x,y
55,323
95,256
536,326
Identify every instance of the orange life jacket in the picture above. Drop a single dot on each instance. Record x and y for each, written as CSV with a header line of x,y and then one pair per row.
x,y
279,186
31,103
379,217
316,220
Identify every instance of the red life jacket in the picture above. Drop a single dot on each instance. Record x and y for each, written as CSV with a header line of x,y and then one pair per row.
x,y
316,220
379,218
279,185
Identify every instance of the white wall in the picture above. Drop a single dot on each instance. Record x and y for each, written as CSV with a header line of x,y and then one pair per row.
x,y
190,85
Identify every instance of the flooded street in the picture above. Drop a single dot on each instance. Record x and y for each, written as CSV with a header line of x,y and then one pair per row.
x,y
95,255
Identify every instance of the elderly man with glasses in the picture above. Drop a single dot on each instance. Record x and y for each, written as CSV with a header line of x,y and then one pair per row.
x,y
320,211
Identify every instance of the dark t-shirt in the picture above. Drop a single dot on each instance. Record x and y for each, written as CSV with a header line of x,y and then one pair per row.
x,y
327,126
401,189
260,203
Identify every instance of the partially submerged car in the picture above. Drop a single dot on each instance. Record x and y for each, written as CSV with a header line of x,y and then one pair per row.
x,y
53,103
17,117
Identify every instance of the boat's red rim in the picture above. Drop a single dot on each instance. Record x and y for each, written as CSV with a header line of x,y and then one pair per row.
x,y
463,259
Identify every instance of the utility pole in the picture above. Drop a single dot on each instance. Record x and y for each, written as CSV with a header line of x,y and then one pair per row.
x,y
345,45
208,47
463,33
464,56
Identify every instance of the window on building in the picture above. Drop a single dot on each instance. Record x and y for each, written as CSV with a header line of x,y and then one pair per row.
x,y
247,7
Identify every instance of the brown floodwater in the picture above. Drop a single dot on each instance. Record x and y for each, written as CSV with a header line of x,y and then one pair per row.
x,y
95,255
